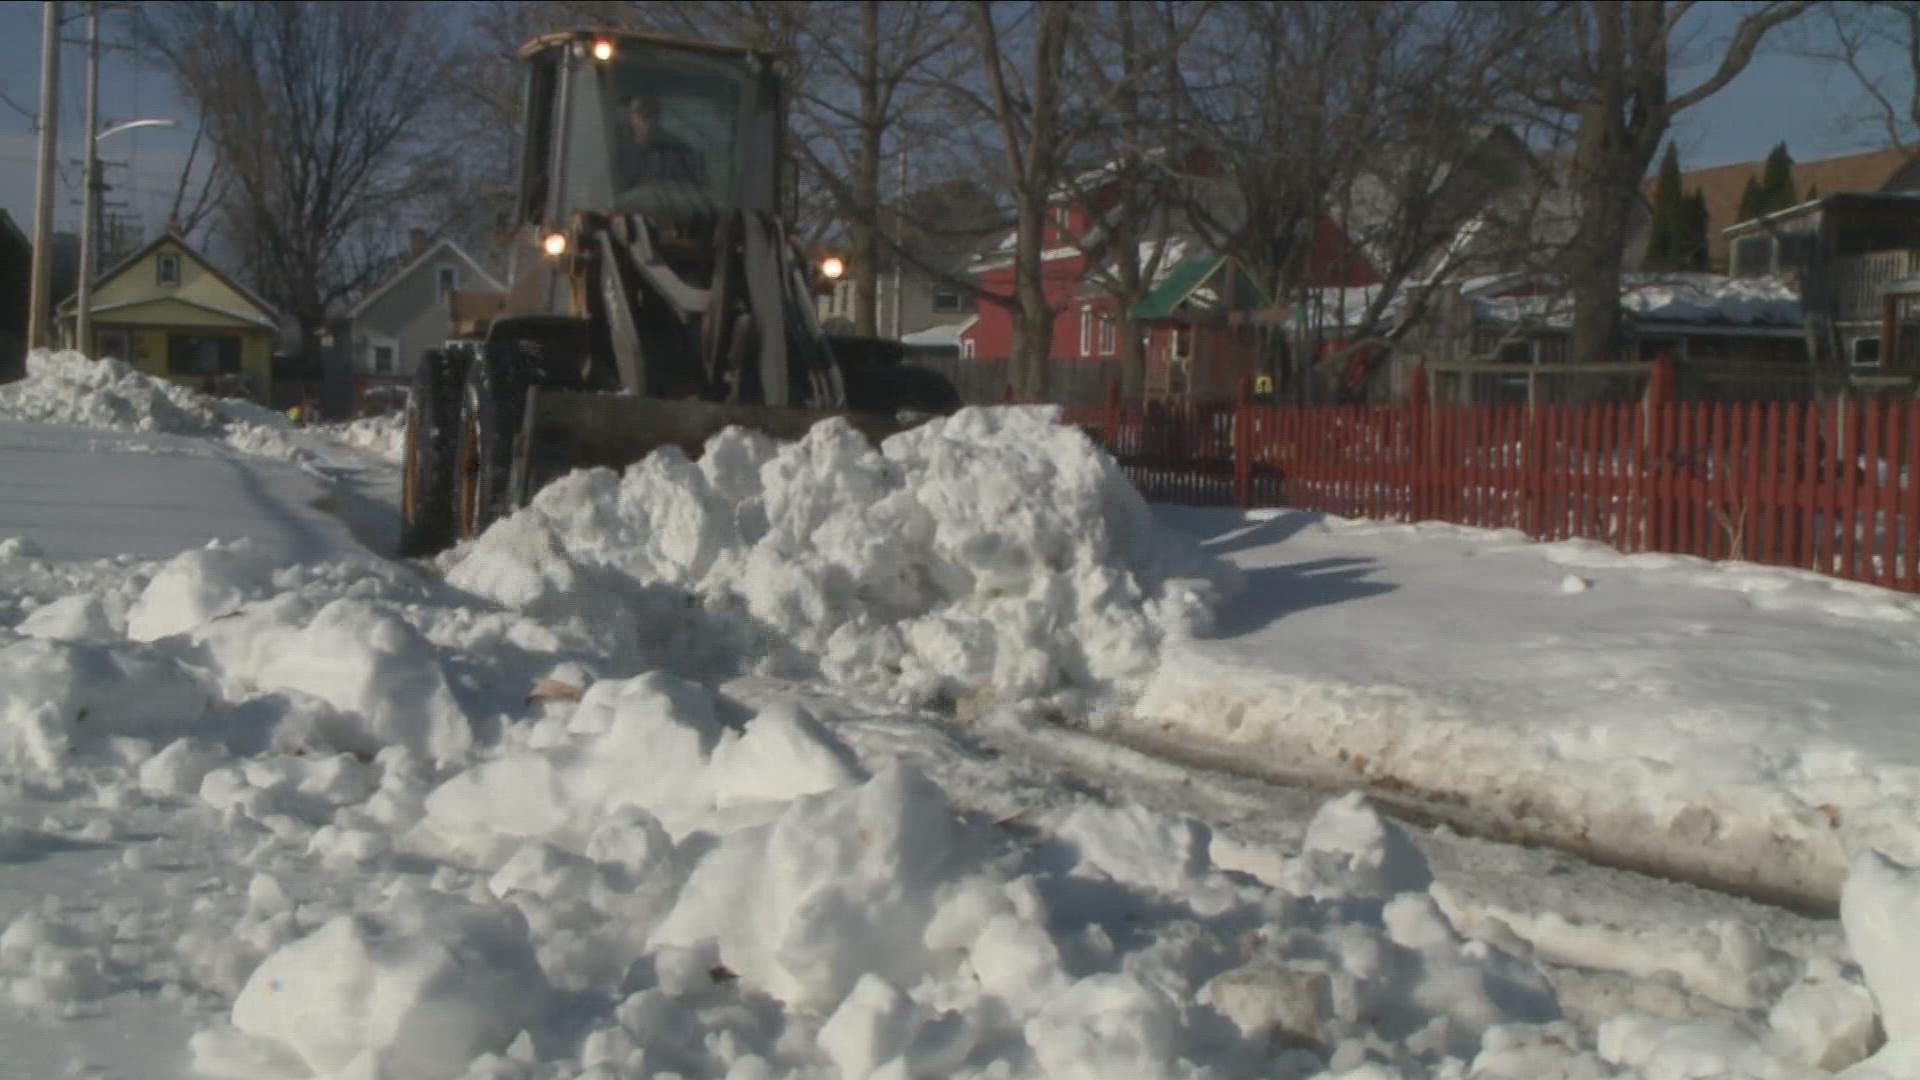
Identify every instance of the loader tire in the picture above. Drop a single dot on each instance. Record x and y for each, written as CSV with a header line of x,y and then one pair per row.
x,y
426,477
492,406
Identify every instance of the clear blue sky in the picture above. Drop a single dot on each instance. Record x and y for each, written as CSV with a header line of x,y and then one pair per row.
x,y
1779,97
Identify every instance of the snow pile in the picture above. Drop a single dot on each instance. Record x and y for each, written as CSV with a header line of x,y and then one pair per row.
x,y
69,388
219,642
384,437
994,553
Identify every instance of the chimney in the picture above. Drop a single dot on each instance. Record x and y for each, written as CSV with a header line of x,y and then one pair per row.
x,y
416,242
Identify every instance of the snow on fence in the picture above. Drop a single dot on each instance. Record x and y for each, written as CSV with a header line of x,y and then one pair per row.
x,y
1827,487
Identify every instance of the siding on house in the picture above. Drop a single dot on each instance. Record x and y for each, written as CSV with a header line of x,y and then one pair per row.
x,y
410,314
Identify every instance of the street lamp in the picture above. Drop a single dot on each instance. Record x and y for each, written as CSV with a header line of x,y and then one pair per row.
x,y
131,124
89,213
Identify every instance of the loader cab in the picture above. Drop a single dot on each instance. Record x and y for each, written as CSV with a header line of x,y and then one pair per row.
x,y
676,132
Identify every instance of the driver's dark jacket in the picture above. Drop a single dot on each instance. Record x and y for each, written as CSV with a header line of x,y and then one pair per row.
x,y
664,158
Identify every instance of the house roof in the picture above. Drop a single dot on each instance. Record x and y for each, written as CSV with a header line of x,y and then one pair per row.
x,y
1888,199
938,336
1194,279
418,261
266,310
1723,185
1180,282
256,318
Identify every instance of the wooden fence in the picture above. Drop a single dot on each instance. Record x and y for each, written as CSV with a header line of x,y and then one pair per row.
x,y
1825,487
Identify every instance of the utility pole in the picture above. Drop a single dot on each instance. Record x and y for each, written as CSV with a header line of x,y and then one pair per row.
x,y
90,212
42,273
899,239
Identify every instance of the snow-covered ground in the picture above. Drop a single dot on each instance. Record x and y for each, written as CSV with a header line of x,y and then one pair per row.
x,y
811,761
1740,724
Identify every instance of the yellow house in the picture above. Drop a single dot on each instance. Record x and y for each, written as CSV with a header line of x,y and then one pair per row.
x,y
169,312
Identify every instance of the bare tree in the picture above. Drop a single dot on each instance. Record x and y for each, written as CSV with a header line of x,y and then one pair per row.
x,y
1606,67
1124,58
1878,42
317,111
209,193
1027,104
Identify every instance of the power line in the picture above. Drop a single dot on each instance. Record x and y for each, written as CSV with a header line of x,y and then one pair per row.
x,y
30,114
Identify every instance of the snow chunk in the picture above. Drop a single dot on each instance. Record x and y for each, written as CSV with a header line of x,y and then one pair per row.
x,y
1135,845
783,754
51,691
1106,1026
81,617
841,884
179,769
195,587
872,1026
420,990
654,725
382,674
545,871
1352,850
1880,912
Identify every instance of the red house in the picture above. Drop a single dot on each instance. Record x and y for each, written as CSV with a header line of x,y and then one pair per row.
x,y
1190,349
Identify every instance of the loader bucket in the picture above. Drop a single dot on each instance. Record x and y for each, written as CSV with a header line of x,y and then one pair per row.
x,y
565,430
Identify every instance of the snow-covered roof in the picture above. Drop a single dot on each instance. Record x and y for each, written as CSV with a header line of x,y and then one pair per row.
x,y
948,335
1679,298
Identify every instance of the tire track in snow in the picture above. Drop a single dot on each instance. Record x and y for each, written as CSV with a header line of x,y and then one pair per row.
x,y
1426,810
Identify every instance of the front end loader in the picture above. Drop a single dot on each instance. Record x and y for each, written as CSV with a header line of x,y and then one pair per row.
x,y
655,296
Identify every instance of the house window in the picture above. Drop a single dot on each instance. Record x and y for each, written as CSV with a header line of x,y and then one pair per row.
x,y
203,355
113,343
1062,217
383,359
966,349
1109,336
167,269
1866,352
449,280
1086,331
1182,342
1752,256
948,302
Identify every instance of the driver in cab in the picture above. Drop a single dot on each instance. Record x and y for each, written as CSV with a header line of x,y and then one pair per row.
x,y
648,154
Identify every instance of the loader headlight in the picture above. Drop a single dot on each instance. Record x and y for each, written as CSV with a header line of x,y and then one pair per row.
x,y
831,267
602,50
555,244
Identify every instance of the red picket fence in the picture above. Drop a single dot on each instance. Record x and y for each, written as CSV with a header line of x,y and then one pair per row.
x,y
1826,487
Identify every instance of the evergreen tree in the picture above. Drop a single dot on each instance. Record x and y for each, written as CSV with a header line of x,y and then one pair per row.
x,y
1667,231
1694,255
1776,181
1750,201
